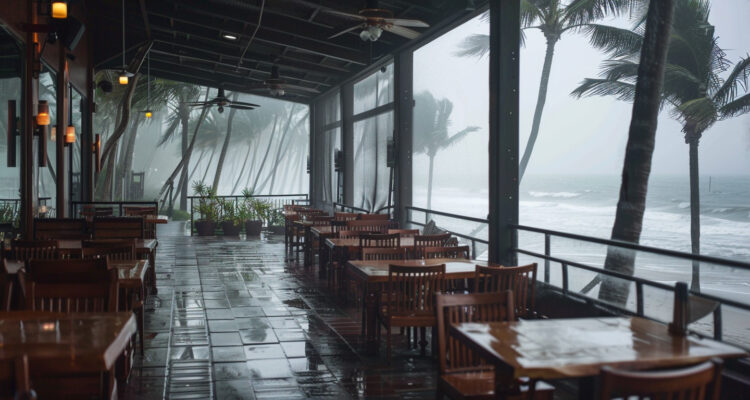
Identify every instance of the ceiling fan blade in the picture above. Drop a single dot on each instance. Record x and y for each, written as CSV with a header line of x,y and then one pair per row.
x,y
198,104
343,14
414,23
401,31
354,28
301,88
241,107
242,103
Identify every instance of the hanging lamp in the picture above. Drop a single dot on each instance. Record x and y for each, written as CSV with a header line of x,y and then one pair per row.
x,y
124,75
148,113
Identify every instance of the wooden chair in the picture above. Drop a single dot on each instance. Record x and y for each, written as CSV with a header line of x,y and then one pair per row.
x,y
349,234
379,226
111,249
374,217
520,280
320,220
25,250
344,216
14,379
381,253
90,211
118,228
462,252
410,299
463,375
422,241
405,232
337,225
149,228
380,240
702,381
71,286
60,228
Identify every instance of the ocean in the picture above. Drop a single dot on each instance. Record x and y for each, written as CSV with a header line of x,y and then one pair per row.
x,y
586,204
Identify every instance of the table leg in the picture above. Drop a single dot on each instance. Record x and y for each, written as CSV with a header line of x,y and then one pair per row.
x,y
371,308
152,271
308,247
323,267
586,388
503,382
364,308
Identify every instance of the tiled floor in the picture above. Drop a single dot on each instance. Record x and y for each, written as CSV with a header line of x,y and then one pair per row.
x,y
233,320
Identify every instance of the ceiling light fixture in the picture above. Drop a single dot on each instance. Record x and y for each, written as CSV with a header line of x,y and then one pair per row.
x,y
59,9
148,113
371,33
229,36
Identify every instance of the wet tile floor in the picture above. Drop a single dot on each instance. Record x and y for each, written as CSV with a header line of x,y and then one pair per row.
x,y
233,320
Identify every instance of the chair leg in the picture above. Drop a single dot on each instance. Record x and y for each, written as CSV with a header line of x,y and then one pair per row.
x,y
423,340
388,343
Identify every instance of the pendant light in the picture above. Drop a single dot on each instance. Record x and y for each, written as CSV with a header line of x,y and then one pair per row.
x,y
124,75
59,9
148,113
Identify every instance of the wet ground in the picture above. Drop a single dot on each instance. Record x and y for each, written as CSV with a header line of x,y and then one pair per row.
x,y
233,320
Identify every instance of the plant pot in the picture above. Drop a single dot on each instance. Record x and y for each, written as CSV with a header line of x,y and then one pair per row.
x,y
230,229
205,228
253,228
279,230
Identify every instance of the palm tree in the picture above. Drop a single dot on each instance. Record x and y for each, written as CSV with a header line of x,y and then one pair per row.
x,y
553,18
225,145
693,87
432,119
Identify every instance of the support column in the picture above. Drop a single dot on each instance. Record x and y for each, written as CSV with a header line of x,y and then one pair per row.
x,y
403,117
29,100
61,192
347,134
311,191
87,133
505,29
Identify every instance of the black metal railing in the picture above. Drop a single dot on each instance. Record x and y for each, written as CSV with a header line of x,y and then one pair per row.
x,y
348,208
473,240
277,201
640,283
118,207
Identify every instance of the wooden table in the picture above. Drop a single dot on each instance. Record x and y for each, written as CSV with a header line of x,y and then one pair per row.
x,y
70,354
373,275
321,233
578,348
155,219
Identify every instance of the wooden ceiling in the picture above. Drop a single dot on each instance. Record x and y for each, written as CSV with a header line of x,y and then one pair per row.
x,y
188,42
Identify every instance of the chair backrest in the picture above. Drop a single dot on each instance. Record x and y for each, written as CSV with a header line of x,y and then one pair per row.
x,y
111,249
463,252
14,379
118,228
91,211
337,225
458,308
369,225
413,288
25,250
374,217
520,280
422,241
60,228
699,382
405,232
381,253
71,286
349,234
138,211
380,240
345,216
320,220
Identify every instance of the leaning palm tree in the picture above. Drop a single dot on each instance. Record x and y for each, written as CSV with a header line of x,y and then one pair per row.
x,y
693,86
432,119
553,18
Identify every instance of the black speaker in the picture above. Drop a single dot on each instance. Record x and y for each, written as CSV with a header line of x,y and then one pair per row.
x,y
72,32
338,161
391,153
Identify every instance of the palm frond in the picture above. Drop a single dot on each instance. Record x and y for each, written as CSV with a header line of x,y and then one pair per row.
x,y
604,87
585,11
737,78
476,45
736,107
614,70
532,11
701,112
617,42
458,136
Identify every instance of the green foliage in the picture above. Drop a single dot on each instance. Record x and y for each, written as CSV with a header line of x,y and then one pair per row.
x,y
208,206
8,214
276,217
253,209
180,215
231,211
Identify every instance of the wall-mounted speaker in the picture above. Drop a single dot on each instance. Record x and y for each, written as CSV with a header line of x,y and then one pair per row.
x,y
391,153
338,161
12,129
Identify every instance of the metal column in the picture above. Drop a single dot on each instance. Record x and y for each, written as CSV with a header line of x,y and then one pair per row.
x,y
505,29
403,118
347,133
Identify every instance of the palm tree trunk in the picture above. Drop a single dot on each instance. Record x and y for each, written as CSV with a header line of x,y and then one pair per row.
x,y
281,145
540,101
208,166
225,146
185,117
265,157
127,163
695,209
197,163
242,171
639,151
429,186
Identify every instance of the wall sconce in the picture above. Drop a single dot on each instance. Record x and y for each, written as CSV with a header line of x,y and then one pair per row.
x,y
42,113
59,9
53,134
96,149
70,135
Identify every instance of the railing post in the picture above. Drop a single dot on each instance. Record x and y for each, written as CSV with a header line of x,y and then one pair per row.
x,y
718,323
547,252
639,298
565,278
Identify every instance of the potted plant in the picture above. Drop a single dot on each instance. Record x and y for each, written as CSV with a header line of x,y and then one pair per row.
x,y
231,222
254,211
207,209
276,221
8,221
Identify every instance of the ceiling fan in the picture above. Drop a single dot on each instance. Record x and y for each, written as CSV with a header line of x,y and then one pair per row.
x,y
221,101
277,86
375,20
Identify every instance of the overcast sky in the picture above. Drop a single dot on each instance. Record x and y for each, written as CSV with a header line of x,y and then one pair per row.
x,y
577,136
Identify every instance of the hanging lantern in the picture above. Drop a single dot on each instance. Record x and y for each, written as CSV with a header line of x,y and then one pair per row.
x,y
59,9
42,113
70,134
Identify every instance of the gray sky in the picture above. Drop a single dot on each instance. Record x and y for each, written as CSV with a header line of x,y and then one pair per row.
x,y
577,136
